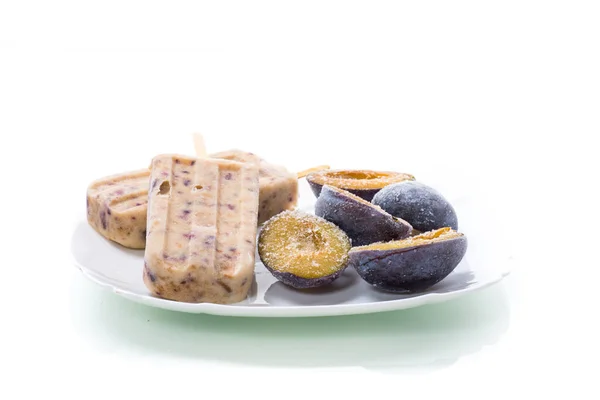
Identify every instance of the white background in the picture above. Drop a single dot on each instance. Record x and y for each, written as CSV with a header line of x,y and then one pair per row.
x,y
501,97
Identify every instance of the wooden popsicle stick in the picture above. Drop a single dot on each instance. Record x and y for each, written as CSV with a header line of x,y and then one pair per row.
x,y
199,145
302,174
200,148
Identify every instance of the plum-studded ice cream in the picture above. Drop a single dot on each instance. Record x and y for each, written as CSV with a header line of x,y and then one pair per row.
x,y
202,223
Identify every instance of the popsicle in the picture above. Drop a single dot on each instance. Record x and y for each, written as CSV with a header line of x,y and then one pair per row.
x,y
278,186
117,205
202,223
278,192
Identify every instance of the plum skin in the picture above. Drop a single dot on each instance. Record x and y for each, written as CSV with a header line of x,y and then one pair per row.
x,y
420,205
410,269
298,282
366,194
363,223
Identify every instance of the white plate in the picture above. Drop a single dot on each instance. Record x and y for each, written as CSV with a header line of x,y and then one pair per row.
x,y
484,264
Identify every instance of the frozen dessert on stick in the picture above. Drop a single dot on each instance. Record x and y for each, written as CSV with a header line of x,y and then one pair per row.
x,y
278,186
202,223
116,207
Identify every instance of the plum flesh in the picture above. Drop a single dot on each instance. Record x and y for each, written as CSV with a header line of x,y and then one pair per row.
x,y
363,222
362,183
410,265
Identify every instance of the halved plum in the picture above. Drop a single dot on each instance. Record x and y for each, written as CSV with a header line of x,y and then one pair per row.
x,y
363,183
363,222
410,265
303,250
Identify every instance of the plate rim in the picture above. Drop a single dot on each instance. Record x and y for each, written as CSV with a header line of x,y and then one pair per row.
x,y
264,310
495,273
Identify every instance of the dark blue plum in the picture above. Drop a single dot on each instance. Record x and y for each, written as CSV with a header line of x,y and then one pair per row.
x,y
363,222
418,204
413,268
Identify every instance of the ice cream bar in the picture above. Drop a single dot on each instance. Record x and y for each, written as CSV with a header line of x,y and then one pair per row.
x,y
116,207
202,223
278,192
278,186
